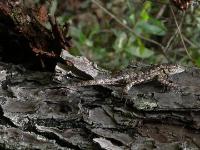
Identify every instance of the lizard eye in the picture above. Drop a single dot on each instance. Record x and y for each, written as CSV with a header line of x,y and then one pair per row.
x,y
176,69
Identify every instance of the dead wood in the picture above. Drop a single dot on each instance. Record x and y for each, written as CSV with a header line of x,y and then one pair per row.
x,y
24,38
96,116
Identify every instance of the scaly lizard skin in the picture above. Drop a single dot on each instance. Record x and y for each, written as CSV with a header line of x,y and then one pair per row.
x,y
155,72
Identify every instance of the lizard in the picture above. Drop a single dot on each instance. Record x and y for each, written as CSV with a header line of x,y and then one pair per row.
x,y
154,72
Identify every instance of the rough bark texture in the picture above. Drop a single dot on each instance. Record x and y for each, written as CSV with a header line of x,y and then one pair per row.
x,y
97,116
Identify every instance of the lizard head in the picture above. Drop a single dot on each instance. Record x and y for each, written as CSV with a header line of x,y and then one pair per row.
x,y
173,69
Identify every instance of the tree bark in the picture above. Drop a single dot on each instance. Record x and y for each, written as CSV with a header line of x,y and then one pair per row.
x,y
97,116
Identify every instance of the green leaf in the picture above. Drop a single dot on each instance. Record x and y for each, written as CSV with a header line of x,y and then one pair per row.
x,y
132,18
78,34
145,11
94,30
120,42
144,15
131,40
89,43
141,52
198,62
53,7
62,19
151,28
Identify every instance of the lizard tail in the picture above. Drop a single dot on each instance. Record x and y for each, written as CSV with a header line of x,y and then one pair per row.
x,y
95,82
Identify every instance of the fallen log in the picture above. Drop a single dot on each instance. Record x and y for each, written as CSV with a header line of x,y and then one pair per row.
x,y
97,116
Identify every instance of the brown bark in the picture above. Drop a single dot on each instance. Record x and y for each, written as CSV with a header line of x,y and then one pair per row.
x,y
32,39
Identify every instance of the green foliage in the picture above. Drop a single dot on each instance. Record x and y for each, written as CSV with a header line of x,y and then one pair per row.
x,y
102,38
116,47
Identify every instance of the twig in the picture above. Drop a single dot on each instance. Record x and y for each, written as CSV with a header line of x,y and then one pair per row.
x,y
128,28
161,11
175,34
180,34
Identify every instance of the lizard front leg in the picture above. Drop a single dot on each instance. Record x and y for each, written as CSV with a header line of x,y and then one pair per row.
x,y
164,81
129,85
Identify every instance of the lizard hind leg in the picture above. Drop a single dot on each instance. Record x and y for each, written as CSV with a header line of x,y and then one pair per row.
x,y
125,92
169,85
128,87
